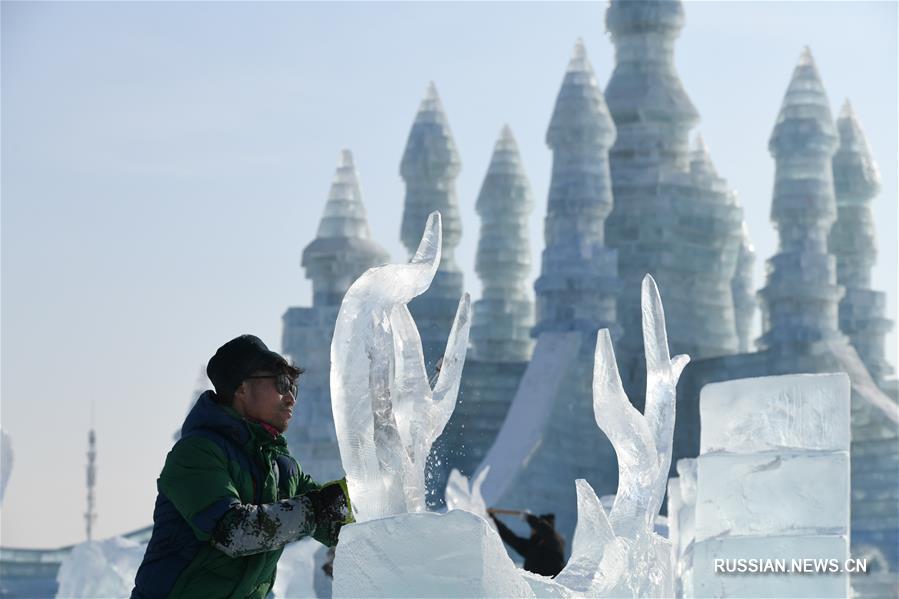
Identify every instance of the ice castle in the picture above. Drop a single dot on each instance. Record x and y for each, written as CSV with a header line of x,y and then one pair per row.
x,y
629,195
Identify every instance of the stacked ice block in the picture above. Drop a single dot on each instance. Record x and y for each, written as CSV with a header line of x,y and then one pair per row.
x,y
773,484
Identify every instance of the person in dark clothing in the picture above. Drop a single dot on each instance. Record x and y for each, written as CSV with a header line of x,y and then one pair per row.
x,y
544,551
230,494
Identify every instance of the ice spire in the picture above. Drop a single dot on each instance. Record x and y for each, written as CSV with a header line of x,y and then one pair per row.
x,y
800,299
577,284
852,240
701,161
429,167
342,249
504,316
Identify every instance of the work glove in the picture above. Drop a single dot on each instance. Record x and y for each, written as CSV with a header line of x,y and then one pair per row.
x,y
331,504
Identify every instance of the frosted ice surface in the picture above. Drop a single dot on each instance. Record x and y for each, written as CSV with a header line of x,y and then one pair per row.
x,y
385,413
299,571
460,496
801,411
706,583
6,456
773,493
100,569
455,554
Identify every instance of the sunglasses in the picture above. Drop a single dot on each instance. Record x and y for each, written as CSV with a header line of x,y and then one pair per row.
x,y
283,383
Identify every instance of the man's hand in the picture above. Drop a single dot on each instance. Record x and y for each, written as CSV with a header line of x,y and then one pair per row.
x,y
333,510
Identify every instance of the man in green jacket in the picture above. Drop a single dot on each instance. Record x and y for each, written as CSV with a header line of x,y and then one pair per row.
x,y
230,494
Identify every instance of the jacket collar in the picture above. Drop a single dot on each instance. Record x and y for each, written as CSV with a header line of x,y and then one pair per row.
x,y
209,415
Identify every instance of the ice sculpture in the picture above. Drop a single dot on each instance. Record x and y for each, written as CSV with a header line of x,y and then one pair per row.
x,y
460,496
777,488
385,412
457,554
100,568
630,559
300,571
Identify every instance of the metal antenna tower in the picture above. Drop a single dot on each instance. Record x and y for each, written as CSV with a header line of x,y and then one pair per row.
x,y
90,516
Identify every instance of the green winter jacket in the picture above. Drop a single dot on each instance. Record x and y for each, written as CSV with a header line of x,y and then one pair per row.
x,y
229,490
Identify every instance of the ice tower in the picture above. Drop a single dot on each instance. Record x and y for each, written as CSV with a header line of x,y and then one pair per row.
x,y
673,217
341,251
799,302
540,448
578,279
429,167
504,316
800,326
856,182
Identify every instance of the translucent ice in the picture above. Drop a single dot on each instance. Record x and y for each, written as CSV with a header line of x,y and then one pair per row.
x,y
396,554
769,493
385,413
300,571
460,496
643,444
455,554
800,411
770,551
100,569
597,556
681,517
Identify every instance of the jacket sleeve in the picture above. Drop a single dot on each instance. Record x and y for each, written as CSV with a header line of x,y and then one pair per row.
x,y
247,529
510,538
197,481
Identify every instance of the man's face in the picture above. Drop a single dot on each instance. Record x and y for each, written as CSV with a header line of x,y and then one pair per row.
x,y
259,399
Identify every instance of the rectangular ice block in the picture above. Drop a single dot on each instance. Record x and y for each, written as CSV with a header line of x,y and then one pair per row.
x,y
772,493
797,411
799,566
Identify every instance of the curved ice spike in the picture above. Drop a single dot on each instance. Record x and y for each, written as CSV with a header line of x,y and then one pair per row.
x,y
662,374
427,418
630,436
385,413
430,246
447,385
597,558
460,495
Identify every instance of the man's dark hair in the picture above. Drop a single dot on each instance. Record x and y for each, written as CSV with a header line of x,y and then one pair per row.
x,y
240,358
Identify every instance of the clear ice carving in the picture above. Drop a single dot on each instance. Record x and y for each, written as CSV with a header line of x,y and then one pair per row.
x,y
386,414
393,553
643,444
460,496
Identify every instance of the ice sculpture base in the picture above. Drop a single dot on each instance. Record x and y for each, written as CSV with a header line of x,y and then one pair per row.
x,y
456,554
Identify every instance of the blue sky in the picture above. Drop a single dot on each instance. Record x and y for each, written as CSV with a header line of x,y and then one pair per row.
x,y
164,164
